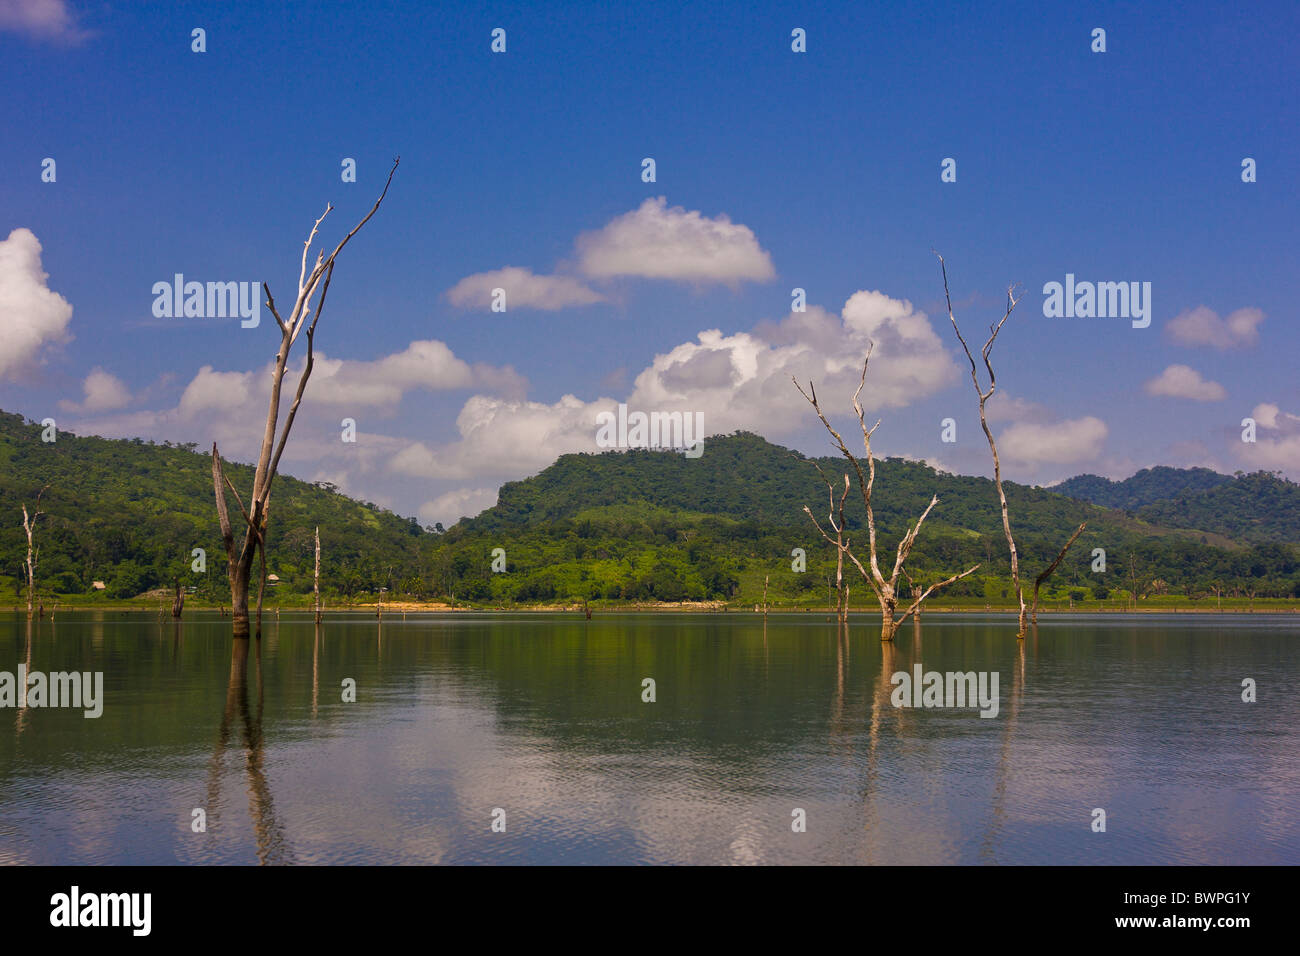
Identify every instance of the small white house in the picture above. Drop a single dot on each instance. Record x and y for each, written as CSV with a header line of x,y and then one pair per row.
x,y
97,585
273,579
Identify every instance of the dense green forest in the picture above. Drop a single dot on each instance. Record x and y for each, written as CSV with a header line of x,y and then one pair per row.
x,y
633,526
130,513
1146,487
1252,508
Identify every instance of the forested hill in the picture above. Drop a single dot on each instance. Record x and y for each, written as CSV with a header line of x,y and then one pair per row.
x,y
1257,507
658,525
746,478
1147,486
620,526
131,512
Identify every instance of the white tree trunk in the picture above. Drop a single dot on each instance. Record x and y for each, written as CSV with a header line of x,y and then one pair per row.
x,y
256,515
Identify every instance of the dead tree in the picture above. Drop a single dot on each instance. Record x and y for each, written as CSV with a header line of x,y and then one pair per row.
x,y
886,589
1138,585
835,519
316,577
984,395
33,554
178,602
1038,581
256,514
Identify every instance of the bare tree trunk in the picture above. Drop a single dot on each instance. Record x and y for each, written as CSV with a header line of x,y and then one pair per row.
x,y
984,395
886,589
178,602
316,577
765,595
256,515
1133,581
888,626
31,562
837,525
33,556
839,580
261,582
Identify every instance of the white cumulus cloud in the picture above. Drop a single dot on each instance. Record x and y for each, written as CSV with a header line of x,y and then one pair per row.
x,y
454,505
1004,408
1202,326
656,241
104,392
230,408
738,381
213,391
1265,415
424,364
31,315
41,20
1183,381
1277,441
524,289
1060,443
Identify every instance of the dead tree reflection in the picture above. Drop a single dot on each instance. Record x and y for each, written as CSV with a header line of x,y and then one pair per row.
x,y
273,847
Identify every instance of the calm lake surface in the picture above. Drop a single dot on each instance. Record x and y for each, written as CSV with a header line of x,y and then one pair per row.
x,y
541,715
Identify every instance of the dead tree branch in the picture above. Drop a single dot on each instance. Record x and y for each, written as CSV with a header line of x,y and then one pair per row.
x,y
303,315
984,394
886,589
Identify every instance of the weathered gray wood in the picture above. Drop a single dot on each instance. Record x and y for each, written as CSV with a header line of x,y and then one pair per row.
x,y
274,437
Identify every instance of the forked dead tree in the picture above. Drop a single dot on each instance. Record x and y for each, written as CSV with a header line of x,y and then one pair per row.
x,y
886,589
984,395
835,519
256,514
33,555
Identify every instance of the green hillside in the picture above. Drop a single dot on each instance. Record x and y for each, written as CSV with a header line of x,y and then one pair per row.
x,y
618,527
1146,487
747,478
130,513
626,524
1258,507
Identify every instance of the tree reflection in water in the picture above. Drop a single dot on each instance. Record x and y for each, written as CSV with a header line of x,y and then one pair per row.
x,y
272,846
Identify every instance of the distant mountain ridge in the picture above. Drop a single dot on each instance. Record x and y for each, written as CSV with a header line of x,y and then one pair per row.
x,y
745,477
1146,487
1258,507
647,524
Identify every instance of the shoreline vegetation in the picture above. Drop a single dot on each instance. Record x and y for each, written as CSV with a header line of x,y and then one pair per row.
x,y
156,602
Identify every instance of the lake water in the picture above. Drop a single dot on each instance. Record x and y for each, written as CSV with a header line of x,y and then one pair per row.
x,y
542,716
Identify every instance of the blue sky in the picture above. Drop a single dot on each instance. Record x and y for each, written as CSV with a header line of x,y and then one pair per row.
x,y
818,170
